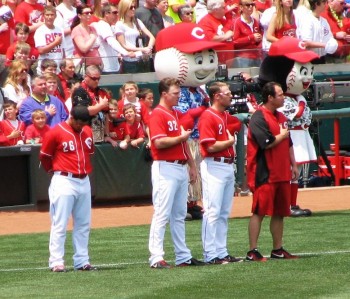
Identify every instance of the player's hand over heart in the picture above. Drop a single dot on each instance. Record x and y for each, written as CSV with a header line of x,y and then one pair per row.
x,y
103,101
185,134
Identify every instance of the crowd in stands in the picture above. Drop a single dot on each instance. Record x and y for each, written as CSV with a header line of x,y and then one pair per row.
x,y
48,50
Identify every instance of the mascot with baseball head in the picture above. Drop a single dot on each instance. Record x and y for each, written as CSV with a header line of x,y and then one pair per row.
x,y
184,53
289,63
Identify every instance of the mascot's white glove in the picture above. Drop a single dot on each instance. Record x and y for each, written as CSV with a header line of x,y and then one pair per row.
x,y
331,46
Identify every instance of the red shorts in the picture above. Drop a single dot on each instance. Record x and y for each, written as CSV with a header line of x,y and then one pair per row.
x,y
272,199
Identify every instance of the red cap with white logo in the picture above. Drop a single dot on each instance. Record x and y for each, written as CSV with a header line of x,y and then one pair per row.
x,y
293,49
186,37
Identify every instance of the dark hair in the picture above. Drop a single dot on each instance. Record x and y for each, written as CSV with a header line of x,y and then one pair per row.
x,y
80,112
21,27
9,103
76,20
314,3
73,81
106,9
47,62
143,93
269,90
164,84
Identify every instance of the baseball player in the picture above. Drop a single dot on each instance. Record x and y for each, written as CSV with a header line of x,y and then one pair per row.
x,y
216,133
65,154
170,177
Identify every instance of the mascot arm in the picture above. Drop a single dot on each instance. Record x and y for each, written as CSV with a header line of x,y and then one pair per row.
x,y
233,124
301,107
187,120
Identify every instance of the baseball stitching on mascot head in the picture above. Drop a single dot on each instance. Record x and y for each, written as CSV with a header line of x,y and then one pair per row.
x,y
288,63
183,52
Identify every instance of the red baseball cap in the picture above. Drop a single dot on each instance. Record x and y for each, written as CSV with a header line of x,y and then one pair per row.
x,y
186,37
293,49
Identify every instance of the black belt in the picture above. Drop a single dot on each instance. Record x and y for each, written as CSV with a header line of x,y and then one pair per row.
x,y
72,175
182,162
224,160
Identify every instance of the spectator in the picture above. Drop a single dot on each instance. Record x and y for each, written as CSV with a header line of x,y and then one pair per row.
x,y
268,141
186,13
117,132
110,50
200,10
48,66
16,87
247,37
129,91
216,28
22,33
85,39
72,85
30,12
316,33
262,5
265,20
52,87
67,69
95,98
97,8
282,22
48,39
11,129
150,17
68,12
6,26
303,9
174,5
162,6
340,28
35,133
146,96
53,107
136,133
129,30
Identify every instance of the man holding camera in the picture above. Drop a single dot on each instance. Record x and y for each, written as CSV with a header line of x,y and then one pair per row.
x,y
217,128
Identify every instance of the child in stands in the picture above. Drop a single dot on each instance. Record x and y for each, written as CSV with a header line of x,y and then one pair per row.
x,y
137,135
35,133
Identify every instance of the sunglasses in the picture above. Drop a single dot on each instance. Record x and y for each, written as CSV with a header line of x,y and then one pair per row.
x,y
249,5
87,13
189,13
132,7
94,78
113,12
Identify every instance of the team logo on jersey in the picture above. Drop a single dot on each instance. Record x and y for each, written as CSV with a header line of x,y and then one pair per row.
x,y
88,142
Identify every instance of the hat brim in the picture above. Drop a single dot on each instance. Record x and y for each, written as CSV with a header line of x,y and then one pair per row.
x,y
302,57
198,46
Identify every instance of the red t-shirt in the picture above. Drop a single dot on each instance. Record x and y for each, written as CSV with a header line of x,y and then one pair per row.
x,y
287,30
33,132
267,165
29,14
212,127
6,128
10,53
63,149
136,130
166,123
141,110
121,130
5,36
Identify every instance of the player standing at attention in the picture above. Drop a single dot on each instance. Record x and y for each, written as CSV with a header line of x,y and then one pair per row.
x,y
65,153
170,177
271,166
216,134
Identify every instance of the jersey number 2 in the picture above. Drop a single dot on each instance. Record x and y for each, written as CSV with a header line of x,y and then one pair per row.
x,y
68,146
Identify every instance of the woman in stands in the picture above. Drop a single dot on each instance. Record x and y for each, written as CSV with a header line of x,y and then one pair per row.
x,y
16,86
129,29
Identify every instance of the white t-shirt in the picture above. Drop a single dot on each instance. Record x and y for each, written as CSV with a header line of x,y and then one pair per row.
x,y
67,17
109,47
264,22
44,36
130,34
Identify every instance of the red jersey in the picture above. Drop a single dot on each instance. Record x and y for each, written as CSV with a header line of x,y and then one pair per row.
x,y
5,36
33,132
287,30
121,130
262,6
267,165
243,38
6,128
96,94
166,123
136,130
63,149
212,127
29,14
141,110
10,53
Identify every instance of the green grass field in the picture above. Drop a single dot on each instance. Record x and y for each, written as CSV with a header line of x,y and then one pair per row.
x,y
323,271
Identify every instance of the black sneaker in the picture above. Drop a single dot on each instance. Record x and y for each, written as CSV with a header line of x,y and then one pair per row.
x,y
255,256
217,261
282,254
191,262
161,265
87,267
232,259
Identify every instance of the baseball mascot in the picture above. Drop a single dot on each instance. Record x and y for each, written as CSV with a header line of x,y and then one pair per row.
x,y
289,63
183,52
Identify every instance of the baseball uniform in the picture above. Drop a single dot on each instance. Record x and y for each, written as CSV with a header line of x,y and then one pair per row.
x,y
66,154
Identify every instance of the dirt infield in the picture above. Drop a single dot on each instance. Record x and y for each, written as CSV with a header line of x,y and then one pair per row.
x,y
320,199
